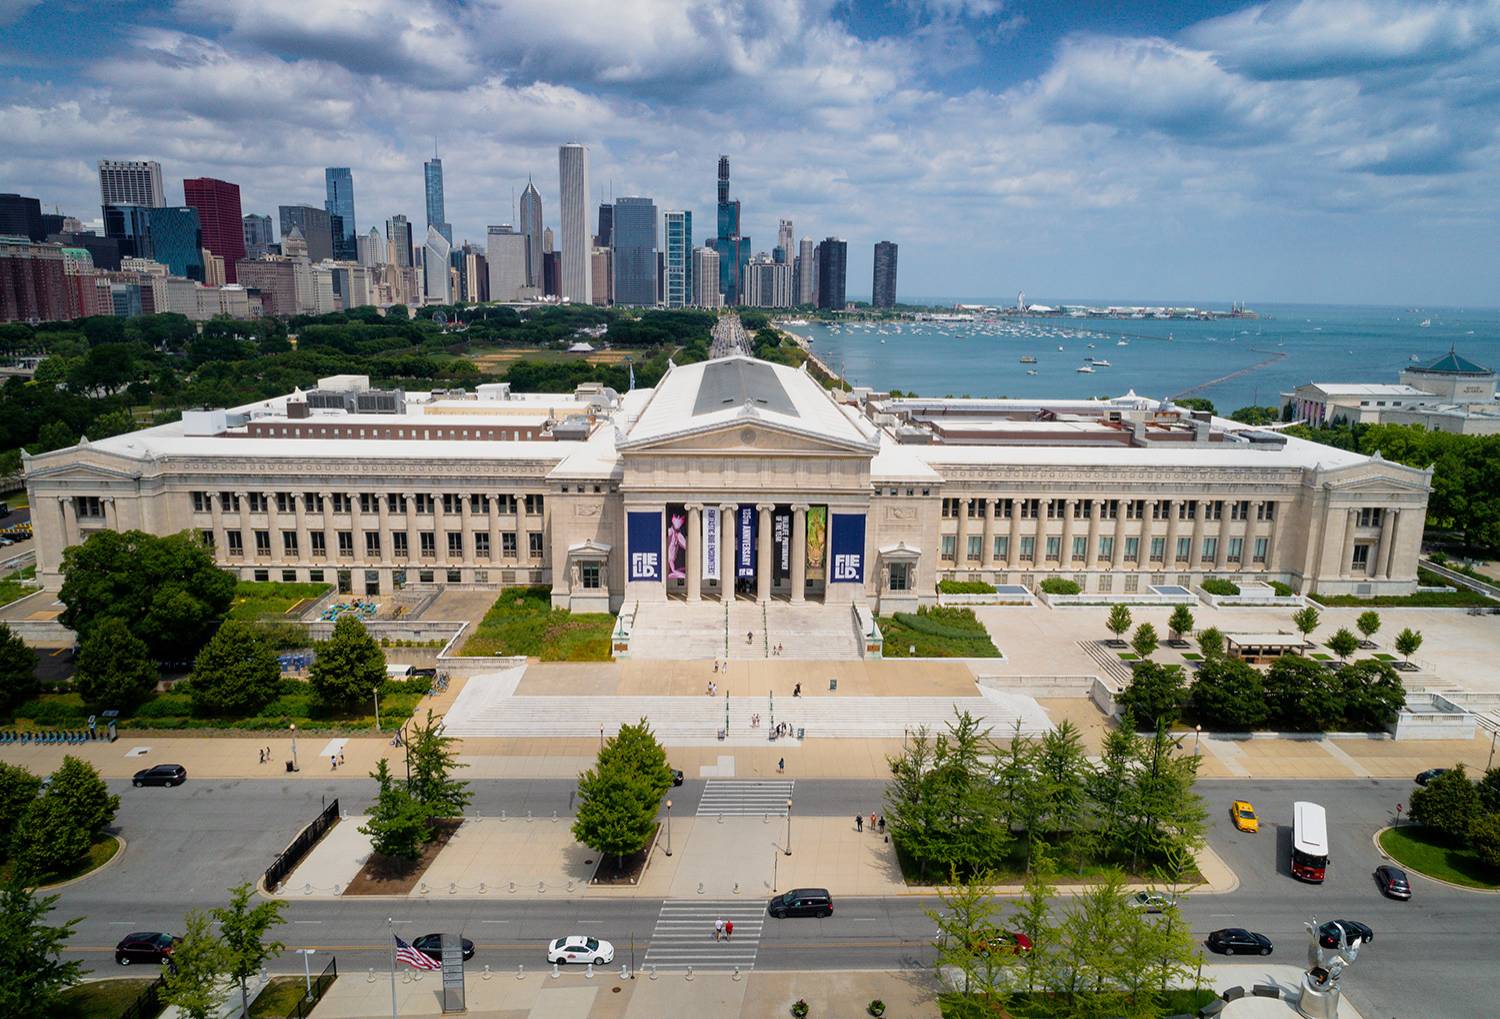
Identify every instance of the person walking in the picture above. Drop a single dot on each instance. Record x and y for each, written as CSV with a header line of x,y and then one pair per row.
x,y
882,824
781,765
859,822
718,929
872,820
728,930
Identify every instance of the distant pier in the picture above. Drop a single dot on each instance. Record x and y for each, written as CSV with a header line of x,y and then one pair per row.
x,y
1277,356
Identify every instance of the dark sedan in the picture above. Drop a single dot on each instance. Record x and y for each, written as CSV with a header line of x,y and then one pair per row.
x,y
1427,776
162,774
1238,941
145,946
431,945
1354,932
1392,881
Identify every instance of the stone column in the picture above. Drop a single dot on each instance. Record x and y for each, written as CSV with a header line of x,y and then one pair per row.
x,y
763,553
1273,527
799,553
1169,557
1350,523
299,518
357,535
1221,550
466,522
1013,543
1119,549
729,514
216,511
961,542
987,543
1143,553
1091,546
413,534
1039,554
493,515
330,532
1380,564
440,537
69,521
695,552
1195,554
383,518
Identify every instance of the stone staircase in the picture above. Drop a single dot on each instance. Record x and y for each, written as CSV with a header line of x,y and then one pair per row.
x,y
812,631
678,630
747,617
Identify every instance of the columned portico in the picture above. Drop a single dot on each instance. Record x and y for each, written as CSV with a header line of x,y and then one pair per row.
x,y
728,513
799,553
763,552
695,552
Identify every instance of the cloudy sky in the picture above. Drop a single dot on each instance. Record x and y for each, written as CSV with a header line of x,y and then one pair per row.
x,y
1332,151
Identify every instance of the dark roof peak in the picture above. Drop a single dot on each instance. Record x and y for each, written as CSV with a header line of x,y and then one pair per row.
x,y
1453,363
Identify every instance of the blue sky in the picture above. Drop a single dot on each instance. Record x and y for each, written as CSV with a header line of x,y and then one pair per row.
x,y
1340,151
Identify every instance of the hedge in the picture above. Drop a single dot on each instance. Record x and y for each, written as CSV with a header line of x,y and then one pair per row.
x,y
1060,585
965,587
1220,586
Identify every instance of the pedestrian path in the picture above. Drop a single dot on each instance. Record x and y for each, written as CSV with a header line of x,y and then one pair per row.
x,y
684,935
745,798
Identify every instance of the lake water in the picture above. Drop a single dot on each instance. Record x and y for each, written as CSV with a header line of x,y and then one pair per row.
x,y
1286,347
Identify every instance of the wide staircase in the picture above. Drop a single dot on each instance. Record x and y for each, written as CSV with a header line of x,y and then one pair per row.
x,y
747,617
812,631
678,630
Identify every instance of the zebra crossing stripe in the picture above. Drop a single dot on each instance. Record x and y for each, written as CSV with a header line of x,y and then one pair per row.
x,y
745,798
684,935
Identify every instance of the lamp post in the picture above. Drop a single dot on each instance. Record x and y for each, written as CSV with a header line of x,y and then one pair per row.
x,y
1197,735
376,695
307,954
789,826
294,747
1493,734
669,826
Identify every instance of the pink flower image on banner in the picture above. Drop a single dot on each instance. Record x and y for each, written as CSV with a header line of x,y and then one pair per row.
x,y
676,548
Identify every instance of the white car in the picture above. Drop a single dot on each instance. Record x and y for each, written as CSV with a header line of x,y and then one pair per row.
x,y
580,948
1150,902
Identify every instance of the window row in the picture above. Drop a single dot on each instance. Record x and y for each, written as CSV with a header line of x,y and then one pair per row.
x,y
1105,551
1109,509
368,502
479,542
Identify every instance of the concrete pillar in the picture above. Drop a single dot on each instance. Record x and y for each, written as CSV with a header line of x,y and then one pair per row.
x,y
728,537
1377,564
1389,539
1091,547
299,518
1169,557
1351,521
1065,549
383,519
216,511
961,543
1013,543
695,552
1039,556
1195,554
330,532
987,543
763,556
1273,527
493,515
111,513
69,521
1221,550
465,523
1143,553
1118,552
799,553
440,538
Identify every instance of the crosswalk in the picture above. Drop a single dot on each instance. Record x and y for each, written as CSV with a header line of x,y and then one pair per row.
x,y
684,935
745,797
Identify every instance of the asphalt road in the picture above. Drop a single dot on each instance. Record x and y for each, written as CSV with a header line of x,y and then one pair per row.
x,y
1432,957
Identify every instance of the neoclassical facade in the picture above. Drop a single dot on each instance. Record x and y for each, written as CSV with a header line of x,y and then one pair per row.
x,y
737,478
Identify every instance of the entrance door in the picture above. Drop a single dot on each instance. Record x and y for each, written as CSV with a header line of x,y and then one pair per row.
x,y
346,582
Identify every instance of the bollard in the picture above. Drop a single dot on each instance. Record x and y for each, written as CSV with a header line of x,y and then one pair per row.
x,y
452,887
653,972
481,888
541,886
570,885
554,971
336,889
528,817
371,978
502,815
512,887
423,889
406,976
554,817
589,972
486,971
690,973
700,887
721,818
736,888
624,971
736,974
307,889
765,819
520,971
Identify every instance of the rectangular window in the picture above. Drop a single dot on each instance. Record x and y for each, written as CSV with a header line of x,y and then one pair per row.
x,y
1132,583
1260,549
262,576
399,547
236,542
1106,583
508,544
424,576
262,542
1003,509
288,576
200,502
950,547
1106,548
1083,509
481,576
452,503
1266,511
482,544
1213,510
1080,548
424,502
257,502
976,547
1187,510
285,502
315,576
1055,508
395,502
1239,510
589,574
533,504
1236,549
372,544
505,504
1160,508
1361,557
1132,550
319,544
312,502
429,544
534,543
950,509
1054,548
289,542
1371,517
455,544
1028,548
900,576
208,538
341,502
974,511
369,502
455,576
1184,549
1030,508
479,504
346,543
1002,546
1210,548
88,506
1109,509
1158,549
229,501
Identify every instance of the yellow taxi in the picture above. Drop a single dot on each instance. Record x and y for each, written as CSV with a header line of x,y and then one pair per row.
x,y
1243,816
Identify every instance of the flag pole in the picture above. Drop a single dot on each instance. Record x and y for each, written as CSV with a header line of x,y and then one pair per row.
x,y
391,925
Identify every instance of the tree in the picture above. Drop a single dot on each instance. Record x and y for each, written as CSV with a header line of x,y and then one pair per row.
x,y
616,812
1155,695
17,669
1256,415
18,787
1448,804
1301,694
1033,917
966,922
397,825
1111,787
113,668
1484,838
243,929
1343,643
58,826
1118,621
432,763
1211,642
236,673
1489,791
636,749
347,667
1228,695
1180,622
1197,403
1306,620
193,981
1167,815
1408,642
1061,775
1144,642
1373,694
78,784
167,589
1368,623
32,974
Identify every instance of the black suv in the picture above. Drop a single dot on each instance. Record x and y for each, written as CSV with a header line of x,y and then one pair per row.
x,y
801,902
145,946
162,774
1238,941
1354,933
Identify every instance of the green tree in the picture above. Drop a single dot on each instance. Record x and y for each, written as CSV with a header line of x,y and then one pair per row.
x,y
78,784
1156,694
57,827
616,812
636,750
1448,804
1343,643
32,973
1408,642
1144,642
113,668
1489,791
1180,622
1228,695
432,766
398,825
1373,694
1033,917
236,673
1111,788
1061,779
54,435
18,788
1484,838
243,929
1302,694
1256,415
1167,815
1091,936
199,960
1368,623
347,667
17,669
1211,642
1118,621
166,589
1306,620
967,919
1197,403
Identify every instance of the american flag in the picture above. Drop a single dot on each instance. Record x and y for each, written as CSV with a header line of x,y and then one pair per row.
x,y
409,955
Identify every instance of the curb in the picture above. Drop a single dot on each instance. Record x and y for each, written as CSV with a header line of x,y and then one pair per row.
x,y
1423,874
97,870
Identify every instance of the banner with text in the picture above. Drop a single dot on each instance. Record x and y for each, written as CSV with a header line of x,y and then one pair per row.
x,y
643,533
711,547
817,541
677,542
781,549
744,548
848,548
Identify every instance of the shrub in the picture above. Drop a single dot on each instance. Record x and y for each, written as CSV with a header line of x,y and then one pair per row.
x,y
1060,585
1449,804
1220,586
965,587
1155,695
1229,695
1282,590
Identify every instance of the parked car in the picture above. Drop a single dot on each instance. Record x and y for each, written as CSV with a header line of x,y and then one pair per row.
x,y
1392,881
161,774
1001,942
677,776
1150,902
581,948
801,902
145,946
1354,931
1431,773
431,945
1238,941
1243,815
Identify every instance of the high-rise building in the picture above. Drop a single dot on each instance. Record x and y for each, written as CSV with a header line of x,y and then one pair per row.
x,y
807,272
129,226
33,282
733,249
784,253
706,278
531,229
548,247
258,236
883,290
432,178
677,267
340,202
606,224
833,263
219,216
177,240
508,264
21,216
575,282
371,248
604,283
633,243
126,182
768,283
552,273
316,225
398,240
436,272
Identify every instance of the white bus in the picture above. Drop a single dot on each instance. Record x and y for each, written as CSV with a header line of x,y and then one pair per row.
x,y
1309,842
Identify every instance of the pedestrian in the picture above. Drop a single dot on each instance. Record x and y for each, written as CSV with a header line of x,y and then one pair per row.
x,y
262,756
333,762
872,820
859,822
781,765
341,757
882,824
718,929
797,690
728,929
716,666
749,636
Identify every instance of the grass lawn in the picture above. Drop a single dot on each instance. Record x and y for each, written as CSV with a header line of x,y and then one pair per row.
x,y
102,999
99,854
11,587
1192,656
17,500
1012,870
938,632
523,622
279,998
1418,849
1174,1002
1128,656
1462,598
272,599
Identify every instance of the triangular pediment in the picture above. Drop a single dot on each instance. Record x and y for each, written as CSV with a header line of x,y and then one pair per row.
x,y
1377,475
748,436
83,467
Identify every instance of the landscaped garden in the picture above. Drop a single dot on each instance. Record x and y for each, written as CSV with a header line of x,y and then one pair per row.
x,y
1424,851
936,632
259,600
1461,598
1456,831
103,999
12,587
523,622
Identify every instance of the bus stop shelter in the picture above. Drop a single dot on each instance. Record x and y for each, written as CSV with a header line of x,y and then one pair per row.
x,y
1262,648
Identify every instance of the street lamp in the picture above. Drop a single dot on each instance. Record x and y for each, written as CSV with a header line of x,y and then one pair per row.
x,y
307,954
376,694
1493,734
789,826
294,746
669,826
1197,735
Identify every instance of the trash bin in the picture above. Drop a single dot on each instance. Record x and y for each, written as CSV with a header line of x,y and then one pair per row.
x,y
833,684
290,766
801,732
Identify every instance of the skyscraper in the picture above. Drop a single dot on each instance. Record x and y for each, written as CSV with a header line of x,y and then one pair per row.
x,y
883,290
21,216
340,202
706,278
176,240
436,278
633,243
130,227
677,277
258,235
508,263
807,272
575,278
604,282
218,205
531,229
372,250
784,253
316,225
768,283
734,250
432,174
398,239
833,261
124,182
606,224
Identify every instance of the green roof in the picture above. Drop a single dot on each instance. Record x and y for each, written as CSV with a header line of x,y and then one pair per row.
x,y
1453,363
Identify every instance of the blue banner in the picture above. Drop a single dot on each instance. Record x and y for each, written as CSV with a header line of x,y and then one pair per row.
x,y
744,547
643,533
848,547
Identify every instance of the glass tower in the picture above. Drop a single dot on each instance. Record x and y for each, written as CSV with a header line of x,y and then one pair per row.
x,y
634,248
432,172
340,202
678,274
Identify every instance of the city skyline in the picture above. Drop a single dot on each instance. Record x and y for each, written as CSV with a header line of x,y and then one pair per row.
x,y
1146,153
